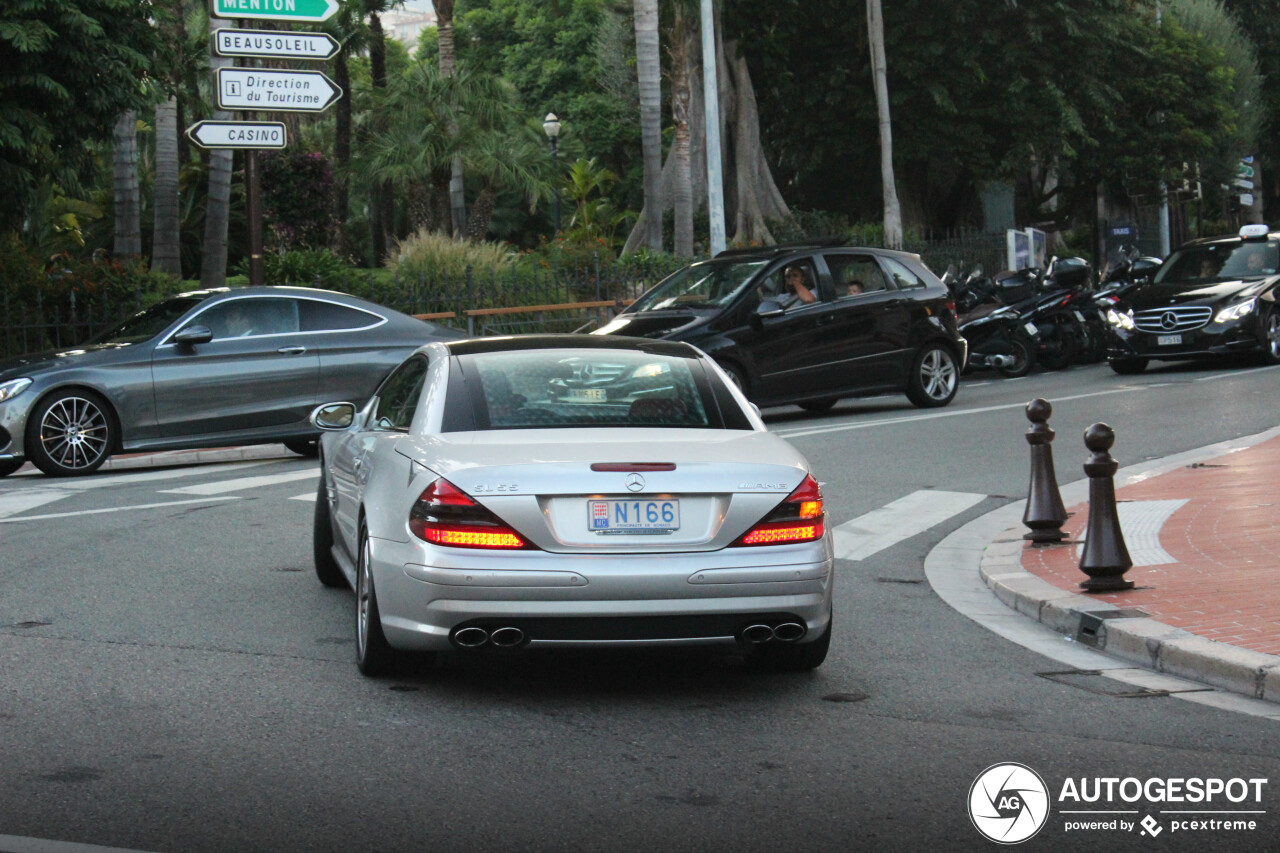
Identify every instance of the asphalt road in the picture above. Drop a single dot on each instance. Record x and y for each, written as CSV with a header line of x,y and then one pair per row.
x,y
173,678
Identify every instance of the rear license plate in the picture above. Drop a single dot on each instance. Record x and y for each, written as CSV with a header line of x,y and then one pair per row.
x,y
1168,340
633,516
1031,329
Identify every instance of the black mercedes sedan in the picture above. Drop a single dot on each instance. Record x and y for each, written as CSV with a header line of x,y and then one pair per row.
x,y
1212,297
810,324
201,369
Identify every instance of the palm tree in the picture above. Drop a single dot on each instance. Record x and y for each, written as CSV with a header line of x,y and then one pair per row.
x,y
165,254
448,64
213,260
879,66
128,204
649,75
681,51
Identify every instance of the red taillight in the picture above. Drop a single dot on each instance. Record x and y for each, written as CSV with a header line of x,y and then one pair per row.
x,y
446,515
797,519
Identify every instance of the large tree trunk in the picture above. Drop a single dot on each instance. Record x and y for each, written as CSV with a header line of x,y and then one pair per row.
x,y
649,75
448,64
380,223
482,213
681,50
879,71
128,200
165,255
213,259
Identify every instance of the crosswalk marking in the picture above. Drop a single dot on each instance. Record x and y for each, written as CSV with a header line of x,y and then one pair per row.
x,y
106,509
1140,521
16,502
223,486
901,519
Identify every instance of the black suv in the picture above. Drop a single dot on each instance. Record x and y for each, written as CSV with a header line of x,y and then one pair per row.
x,y
1212,297
809,324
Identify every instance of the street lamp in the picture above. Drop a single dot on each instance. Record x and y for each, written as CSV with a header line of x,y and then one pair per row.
x,y
551,125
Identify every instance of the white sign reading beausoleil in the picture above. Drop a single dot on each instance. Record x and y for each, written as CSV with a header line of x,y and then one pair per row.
x,y
227,42
275,91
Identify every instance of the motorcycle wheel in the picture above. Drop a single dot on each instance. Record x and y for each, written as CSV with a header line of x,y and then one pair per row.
x,y
1024,357
1068,346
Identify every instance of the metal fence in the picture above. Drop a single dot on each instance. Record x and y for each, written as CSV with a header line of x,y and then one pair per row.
x,y
481,303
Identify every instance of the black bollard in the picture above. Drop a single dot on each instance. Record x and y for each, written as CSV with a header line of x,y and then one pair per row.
x,y
1045,513
1105,558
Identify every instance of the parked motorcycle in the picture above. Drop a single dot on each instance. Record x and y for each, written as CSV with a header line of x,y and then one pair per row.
x,y
997,338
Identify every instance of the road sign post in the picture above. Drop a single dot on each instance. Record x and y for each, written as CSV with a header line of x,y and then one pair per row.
x,y
275,91
298,11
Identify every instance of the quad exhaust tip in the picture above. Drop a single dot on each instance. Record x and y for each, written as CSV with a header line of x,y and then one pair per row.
x,y
473,637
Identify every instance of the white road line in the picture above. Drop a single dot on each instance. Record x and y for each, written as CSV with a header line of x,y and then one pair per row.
x,y
16,502
1235,373
112,509
947,413
140,476
310,497
1141,522
901,519
17,844
223,486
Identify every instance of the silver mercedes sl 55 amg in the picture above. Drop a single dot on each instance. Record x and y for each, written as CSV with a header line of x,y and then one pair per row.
x,y
570,491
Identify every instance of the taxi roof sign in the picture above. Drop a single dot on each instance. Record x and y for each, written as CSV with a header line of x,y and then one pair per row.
x,y
1255,232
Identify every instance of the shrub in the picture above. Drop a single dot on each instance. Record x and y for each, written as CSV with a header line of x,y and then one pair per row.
x,y
303,267
432,257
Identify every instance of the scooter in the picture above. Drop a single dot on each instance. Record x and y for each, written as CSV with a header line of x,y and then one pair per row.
x,y
997,337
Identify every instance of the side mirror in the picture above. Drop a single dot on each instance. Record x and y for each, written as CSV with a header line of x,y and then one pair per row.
x,y
192,335
333,417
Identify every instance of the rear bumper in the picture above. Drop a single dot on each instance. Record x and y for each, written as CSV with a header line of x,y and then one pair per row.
x,y
560,600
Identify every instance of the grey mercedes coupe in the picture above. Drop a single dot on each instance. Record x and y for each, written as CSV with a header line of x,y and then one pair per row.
x,y
202,369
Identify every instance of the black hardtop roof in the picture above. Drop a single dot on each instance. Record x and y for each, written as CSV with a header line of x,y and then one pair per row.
x,y
510,343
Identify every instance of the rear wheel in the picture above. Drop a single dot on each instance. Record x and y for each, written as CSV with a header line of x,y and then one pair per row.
x,y
70,433
1022,351
374,655
934,377
327,568
792,657
823,405
1062,356
8,466
1128,366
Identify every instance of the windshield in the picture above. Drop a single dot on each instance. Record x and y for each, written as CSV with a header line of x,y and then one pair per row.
x,y
705,285
148,323
1220,262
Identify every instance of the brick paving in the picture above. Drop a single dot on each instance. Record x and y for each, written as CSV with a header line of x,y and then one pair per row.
x,y
1225,585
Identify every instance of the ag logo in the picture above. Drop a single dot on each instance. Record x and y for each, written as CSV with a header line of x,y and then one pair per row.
x,y
1008,803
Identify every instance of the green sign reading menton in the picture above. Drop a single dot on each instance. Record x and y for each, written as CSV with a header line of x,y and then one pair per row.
x,y
276,10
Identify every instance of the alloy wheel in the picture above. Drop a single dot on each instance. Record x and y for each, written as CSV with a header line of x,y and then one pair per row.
x,y
74,432
938,374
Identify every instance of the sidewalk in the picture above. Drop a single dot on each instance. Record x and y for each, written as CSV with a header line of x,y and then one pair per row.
x,y
1205,544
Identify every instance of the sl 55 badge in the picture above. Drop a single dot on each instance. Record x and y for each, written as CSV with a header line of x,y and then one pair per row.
x,y
496,488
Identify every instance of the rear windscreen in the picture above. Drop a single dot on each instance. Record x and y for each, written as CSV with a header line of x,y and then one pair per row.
x,y
539,389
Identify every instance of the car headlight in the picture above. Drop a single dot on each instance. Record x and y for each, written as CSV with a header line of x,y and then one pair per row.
x,y
1123,319
12,388
1235,312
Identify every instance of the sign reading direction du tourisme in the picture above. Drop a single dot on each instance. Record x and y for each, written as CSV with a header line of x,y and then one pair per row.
x,y
301,11
275,91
